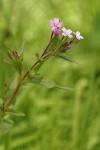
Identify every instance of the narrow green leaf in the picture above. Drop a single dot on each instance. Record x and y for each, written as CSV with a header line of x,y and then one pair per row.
x,y
39,54
10,57
7,124
17,64
22,48
54,43
2,113
36,79
37,68
1,121
63,56
11,112
3,90
3,52
49,84
4,48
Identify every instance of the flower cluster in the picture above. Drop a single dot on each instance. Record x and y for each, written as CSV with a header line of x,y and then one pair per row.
x,y
56,24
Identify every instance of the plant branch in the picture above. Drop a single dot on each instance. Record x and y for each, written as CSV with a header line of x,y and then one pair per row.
x,y
25,75
19,84
13,95
45,50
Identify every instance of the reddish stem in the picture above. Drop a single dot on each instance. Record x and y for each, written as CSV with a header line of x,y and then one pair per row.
x,y
26,74
19,84
45,50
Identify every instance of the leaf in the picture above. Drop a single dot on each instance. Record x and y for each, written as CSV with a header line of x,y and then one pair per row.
x,y
11,57
17,64
22,48
63,56
1,121
15,60
54,43
13,112
5,125
4,72
3,90
3,48
3,52
49,84
39,54
2,113
36,69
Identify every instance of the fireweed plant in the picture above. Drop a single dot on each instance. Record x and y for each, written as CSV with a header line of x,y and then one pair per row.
x,y
61,40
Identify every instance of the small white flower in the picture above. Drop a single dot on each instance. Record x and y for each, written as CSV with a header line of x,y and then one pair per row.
x,y
67,32
78,35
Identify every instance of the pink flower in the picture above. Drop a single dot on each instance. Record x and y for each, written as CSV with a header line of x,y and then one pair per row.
x,y
67,32
78,35
55,30
56,23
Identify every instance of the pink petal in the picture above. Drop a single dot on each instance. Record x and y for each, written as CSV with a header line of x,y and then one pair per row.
x,y
56,21
54,28
51,22
57,32
60,24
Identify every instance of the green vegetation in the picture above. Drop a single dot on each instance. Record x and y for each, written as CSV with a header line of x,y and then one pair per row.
x,y
55,119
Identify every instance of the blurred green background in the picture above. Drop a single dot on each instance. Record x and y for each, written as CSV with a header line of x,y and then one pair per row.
x,y
55,119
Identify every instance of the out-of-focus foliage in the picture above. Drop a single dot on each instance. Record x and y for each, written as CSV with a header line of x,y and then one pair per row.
x,y
54,119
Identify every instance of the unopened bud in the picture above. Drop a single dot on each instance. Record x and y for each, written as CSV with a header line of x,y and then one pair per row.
x,y
64,49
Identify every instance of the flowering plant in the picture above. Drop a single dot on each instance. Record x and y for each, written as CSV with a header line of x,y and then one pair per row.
x,y
60,42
